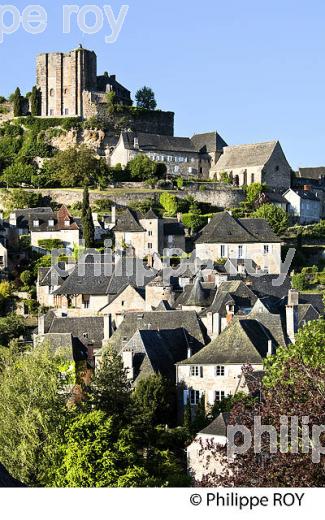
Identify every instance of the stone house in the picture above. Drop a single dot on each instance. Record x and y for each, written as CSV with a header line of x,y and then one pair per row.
x,y
304,205
215,372
179,154
147,234
48,281
249,163
45,224
3,258
248,240
210,146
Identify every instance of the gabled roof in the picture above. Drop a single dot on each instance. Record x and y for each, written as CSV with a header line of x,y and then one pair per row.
x,y
208,143
161,320
269,284
196,295
245,155
232,293
157,143
128,221
129,271
274,323
49,276
173,227
224,228
88,279
88,330
157,351
59,221
306,195
242,342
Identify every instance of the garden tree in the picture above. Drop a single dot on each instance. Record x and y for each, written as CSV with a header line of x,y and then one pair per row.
x,y
17,101
110,390
87,221
299,282
35,99
226,404
276,217
73,167
27,278
142,168
155,397
11,327
169,203
200,419
96,453
187,419
293,386
145,98
193,221
253,192
6,292
17,174
20,199
33,413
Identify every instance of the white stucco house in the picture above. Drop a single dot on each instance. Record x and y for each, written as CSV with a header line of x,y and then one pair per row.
x,y
304,205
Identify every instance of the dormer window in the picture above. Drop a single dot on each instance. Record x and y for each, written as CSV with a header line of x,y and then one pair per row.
x,y
51,223
36,223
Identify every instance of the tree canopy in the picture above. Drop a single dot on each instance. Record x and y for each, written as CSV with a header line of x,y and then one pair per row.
x,y
276,217
145,98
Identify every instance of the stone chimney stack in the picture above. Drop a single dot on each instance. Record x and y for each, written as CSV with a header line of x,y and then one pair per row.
x,y
269,347
292,314
307,187
41,324
113,215
136,143
127,358
107,326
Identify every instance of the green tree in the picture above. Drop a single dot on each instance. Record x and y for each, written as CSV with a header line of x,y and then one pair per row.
x,y
111,102
11,327
253,192
17,174
17,101
20,199
35,101
307,350
276,217
32,413
110,390
145,98
169,203
27,279
87,221
142,168
155,397
74,167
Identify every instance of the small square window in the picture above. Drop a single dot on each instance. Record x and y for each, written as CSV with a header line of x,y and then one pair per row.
x,y
220,395
266,249
220,370
149,246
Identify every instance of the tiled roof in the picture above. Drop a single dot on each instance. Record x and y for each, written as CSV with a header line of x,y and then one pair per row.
x,y
235,293
59,221
312,173
128,221
195,295
245,155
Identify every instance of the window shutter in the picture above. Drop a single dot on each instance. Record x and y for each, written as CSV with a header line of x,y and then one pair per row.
x,y
201,371
185,396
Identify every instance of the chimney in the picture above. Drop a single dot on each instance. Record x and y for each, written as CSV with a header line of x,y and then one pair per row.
x,y
113,215
127,358
269,347
292,314
107,326
136,143
216,324
41,324
307,187
189,353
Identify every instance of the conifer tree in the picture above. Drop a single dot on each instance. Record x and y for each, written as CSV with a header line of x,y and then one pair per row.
x,y
87,220
35,102
17,100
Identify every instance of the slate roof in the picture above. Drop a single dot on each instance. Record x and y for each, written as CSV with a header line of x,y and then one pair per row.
x,y
242,342
218,426
86,279
312,173
196,295
262,285
161,320
49,276
128,222
274,323
158,143
307,195
59,218
274,197
224,228
173,227
23,216
208,142
89,331
246,155
232,293
316,300
7,481
129,271
157,352
150,215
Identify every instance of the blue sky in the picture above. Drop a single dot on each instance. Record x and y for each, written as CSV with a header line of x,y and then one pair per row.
x,y
253,70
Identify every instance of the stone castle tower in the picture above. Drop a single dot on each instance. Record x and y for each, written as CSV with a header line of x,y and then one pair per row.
x,y
68,80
